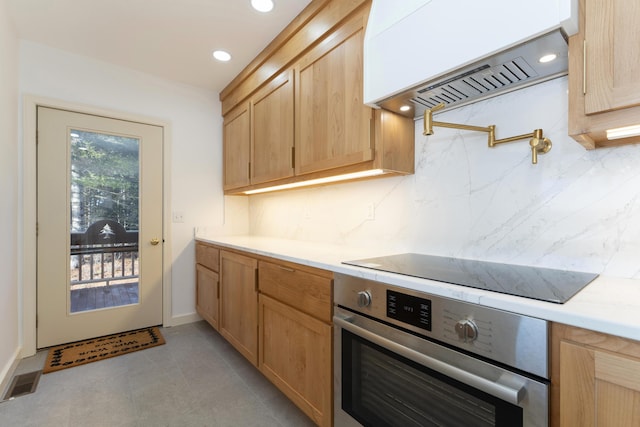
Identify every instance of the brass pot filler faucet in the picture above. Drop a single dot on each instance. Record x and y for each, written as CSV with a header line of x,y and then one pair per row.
x,y
538,143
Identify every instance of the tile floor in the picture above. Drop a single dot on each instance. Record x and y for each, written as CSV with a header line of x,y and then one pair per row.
x,y
195,379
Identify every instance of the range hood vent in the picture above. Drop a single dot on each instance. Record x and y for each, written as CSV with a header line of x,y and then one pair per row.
x,y
509,70
477,82
415,55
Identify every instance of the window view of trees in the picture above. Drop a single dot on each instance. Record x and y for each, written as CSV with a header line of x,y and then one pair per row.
x,y
104,179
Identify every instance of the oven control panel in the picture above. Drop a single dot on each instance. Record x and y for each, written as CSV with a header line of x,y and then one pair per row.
x,y
409,309
516,340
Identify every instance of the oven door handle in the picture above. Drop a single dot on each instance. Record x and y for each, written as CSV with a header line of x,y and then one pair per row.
x,y
500,391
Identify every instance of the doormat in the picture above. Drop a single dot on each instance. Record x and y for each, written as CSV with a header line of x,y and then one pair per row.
x,y
82,352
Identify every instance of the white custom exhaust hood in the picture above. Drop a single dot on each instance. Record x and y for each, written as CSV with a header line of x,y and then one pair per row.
x,y
420,53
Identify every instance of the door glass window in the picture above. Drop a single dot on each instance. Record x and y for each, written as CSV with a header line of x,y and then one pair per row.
x,y
104,189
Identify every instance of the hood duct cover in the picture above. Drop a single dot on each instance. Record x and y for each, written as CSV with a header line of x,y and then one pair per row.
x,y
508,70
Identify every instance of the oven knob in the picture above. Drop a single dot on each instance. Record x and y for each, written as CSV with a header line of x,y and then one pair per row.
x,y
364,299
467,330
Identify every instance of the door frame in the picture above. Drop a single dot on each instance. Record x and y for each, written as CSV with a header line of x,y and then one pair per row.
x,y
27,253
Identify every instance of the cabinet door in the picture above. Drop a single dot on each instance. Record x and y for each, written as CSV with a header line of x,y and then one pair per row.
x,y
598,388
604,72
239,303
333,127
612,48
207,293
295,354
595,379
237,144
272,148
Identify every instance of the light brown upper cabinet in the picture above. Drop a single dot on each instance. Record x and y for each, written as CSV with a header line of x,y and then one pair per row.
x,y
258,136
604,72
272,141
333,126
296,112
237,146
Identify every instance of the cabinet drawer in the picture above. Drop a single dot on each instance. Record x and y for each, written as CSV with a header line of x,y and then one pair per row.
x,y
208,256
307,292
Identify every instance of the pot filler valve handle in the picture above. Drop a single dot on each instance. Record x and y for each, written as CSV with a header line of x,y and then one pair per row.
x,y
538,143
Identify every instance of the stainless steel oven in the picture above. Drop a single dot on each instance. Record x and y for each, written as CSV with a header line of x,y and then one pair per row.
x,y
406,358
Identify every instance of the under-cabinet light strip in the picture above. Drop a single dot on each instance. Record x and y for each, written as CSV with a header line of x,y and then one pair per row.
x,y
345,177
623,132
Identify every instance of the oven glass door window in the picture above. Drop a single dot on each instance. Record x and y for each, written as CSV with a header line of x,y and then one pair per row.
x,y
381,388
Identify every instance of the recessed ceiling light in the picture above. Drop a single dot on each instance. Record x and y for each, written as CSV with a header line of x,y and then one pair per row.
x,y
262,5
405,108
547,58
221,55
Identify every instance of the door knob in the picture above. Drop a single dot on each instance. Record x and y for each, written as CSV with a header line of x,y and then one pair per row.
x,y
155,241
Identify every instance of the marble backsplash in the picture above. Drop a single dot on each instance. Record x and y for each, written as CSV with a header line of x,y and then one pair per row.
x,y
575,209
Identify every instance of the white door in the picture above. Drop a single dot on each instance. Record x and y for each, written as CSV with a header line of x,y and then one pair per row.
x,y
99,239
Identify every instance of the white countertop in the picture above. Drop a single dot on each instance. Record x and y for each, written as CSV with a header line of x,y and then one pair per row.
x,y
608,304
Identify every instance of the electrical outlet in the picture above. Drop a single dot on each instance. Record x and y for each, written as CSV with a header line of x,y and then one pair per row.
x,y
371,212
178,216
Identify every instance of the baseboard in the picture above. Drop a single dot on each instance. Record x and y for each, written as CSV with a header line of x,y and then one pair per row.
x,y
7,372
184,319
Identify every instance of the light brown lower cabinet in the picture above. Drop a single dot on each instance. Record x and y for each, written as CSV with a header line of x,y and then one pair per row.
x,y
295,330
207,295
295,354
595,379
207,283
239,303
276,314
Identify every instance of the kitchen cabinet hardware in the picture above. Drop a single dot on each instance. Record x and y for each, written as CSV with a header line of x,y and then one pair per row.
x,y
584,67
538,143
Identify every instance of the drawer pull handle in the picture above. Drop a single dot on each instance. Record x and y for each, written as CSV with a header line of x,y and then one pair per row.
x,y
290,270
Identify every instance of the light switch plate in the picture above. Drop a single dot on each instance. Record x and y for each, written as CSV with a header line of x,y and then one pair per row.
x,y
178,216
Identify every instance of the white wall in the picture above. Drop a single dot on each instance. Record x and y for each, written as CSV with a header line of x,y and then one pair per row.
x,y
9,303
575,209
196,141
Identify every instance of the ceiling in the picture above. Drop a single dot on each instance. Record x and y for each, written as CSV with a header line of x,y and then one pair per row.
x,y
173,39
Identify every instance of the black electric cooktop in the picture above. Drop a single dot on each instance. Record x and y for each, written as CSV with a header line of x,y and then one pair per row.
x,y
544,284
